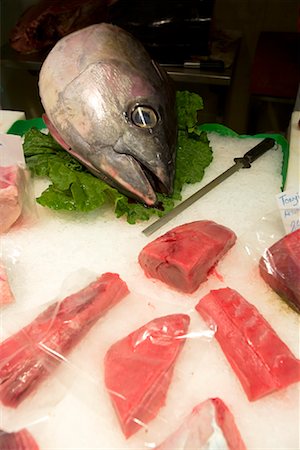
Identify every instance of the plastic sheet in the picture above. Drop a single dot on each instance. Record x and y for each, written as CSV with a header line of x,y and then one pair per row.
x,y
17,204
279,266
19,440
74,398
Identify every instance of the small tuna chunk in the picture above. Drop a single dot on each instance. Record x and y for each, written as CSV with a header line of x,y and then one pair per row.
x,y
10,196
31,354
139,368
280,268
260,359
210,426
183,256
6,295
20,440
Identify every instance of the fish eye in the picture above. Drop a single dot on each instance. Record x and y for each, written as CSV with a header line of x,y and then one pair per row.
x,y
144,116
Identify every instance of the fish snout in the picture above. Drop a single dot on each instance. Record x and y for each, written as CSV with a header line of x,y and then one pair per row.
x,y
153,157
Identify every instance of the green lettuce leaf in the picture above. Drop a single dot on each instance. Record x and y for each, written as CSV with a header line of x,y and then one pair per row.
x,y
188,104
74,188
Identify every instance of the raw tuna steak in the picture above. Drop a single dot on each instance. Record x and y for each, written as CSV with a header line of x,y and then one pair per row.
x,y
262,362
280,268
183,256
210,426
31,355
21,440
139,368
10,196
6,295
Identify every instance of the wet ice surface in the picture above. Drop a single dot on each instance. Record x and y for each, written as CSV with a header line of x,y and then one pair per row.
x,y
63,252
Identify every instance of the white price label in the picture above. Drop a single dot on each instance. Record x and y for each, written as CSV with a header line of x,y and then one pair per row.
x,y
289,206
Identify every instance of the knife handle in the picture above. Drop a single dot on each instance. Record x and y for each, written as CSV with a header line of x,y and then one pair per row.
x,y
256,152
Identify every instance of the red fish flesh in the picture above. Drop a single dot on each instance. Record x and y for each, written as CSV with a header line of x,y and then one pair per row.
x,y
21,440
210,425
6,295
31,354
43,23
139,368
262,362
10,196
183,256
280,268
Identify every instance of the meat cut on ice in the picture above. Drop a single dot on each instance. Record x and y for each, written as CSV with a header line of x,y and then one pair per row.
x,y
209,426
260,359
31,354
183,256
139,368
6,295
20,440
280,268
11,182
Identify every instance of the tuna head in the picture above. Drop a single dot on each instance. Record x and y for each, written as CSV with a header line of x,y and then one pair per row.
x,y
113,109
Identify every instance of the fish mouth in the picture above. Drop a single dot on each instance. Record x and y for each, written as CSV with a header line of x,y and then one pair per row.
x,y
134,179
156,183
153,161
128,175
120,168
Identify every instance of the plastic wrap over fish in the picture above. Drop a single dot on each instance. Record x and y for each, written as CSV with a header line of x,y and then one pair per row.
x,y
17,205
152,382
113,108
30,355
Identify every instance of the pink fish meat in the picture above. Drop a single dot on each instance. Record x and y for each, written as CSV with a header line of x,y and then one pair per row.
x,y
280,268
6,295
10,196
20,440
183,256
31,354
139,368
260,359
209,426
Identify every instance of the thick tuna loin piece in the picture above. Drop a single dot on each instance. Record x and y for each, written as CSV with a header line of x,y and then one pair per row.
x,y
210,425
183,256
33,353
139,368
262,362
21,440
280,268
6,295
10,196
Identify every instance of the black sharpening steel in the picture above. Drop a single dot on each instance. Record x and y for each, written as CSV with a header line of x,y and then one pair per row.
x,y
239,163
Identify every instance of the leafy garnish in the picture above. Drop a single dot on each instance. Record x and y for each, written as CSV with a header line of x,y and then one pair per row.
x,y
74,188
188,104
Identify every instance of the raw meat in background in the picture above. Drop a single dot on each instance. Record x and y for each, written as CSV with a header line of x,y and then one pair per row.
x,y
279,266
11,203
43,24
183,257
17,203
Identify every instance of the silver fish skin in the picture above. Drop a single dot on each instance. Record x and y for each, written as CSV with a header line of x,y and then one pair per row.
x,y
113,108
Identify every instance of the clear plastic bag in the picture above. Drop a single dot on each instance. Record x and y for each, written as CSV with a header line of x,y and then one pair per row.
x,y
17,204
